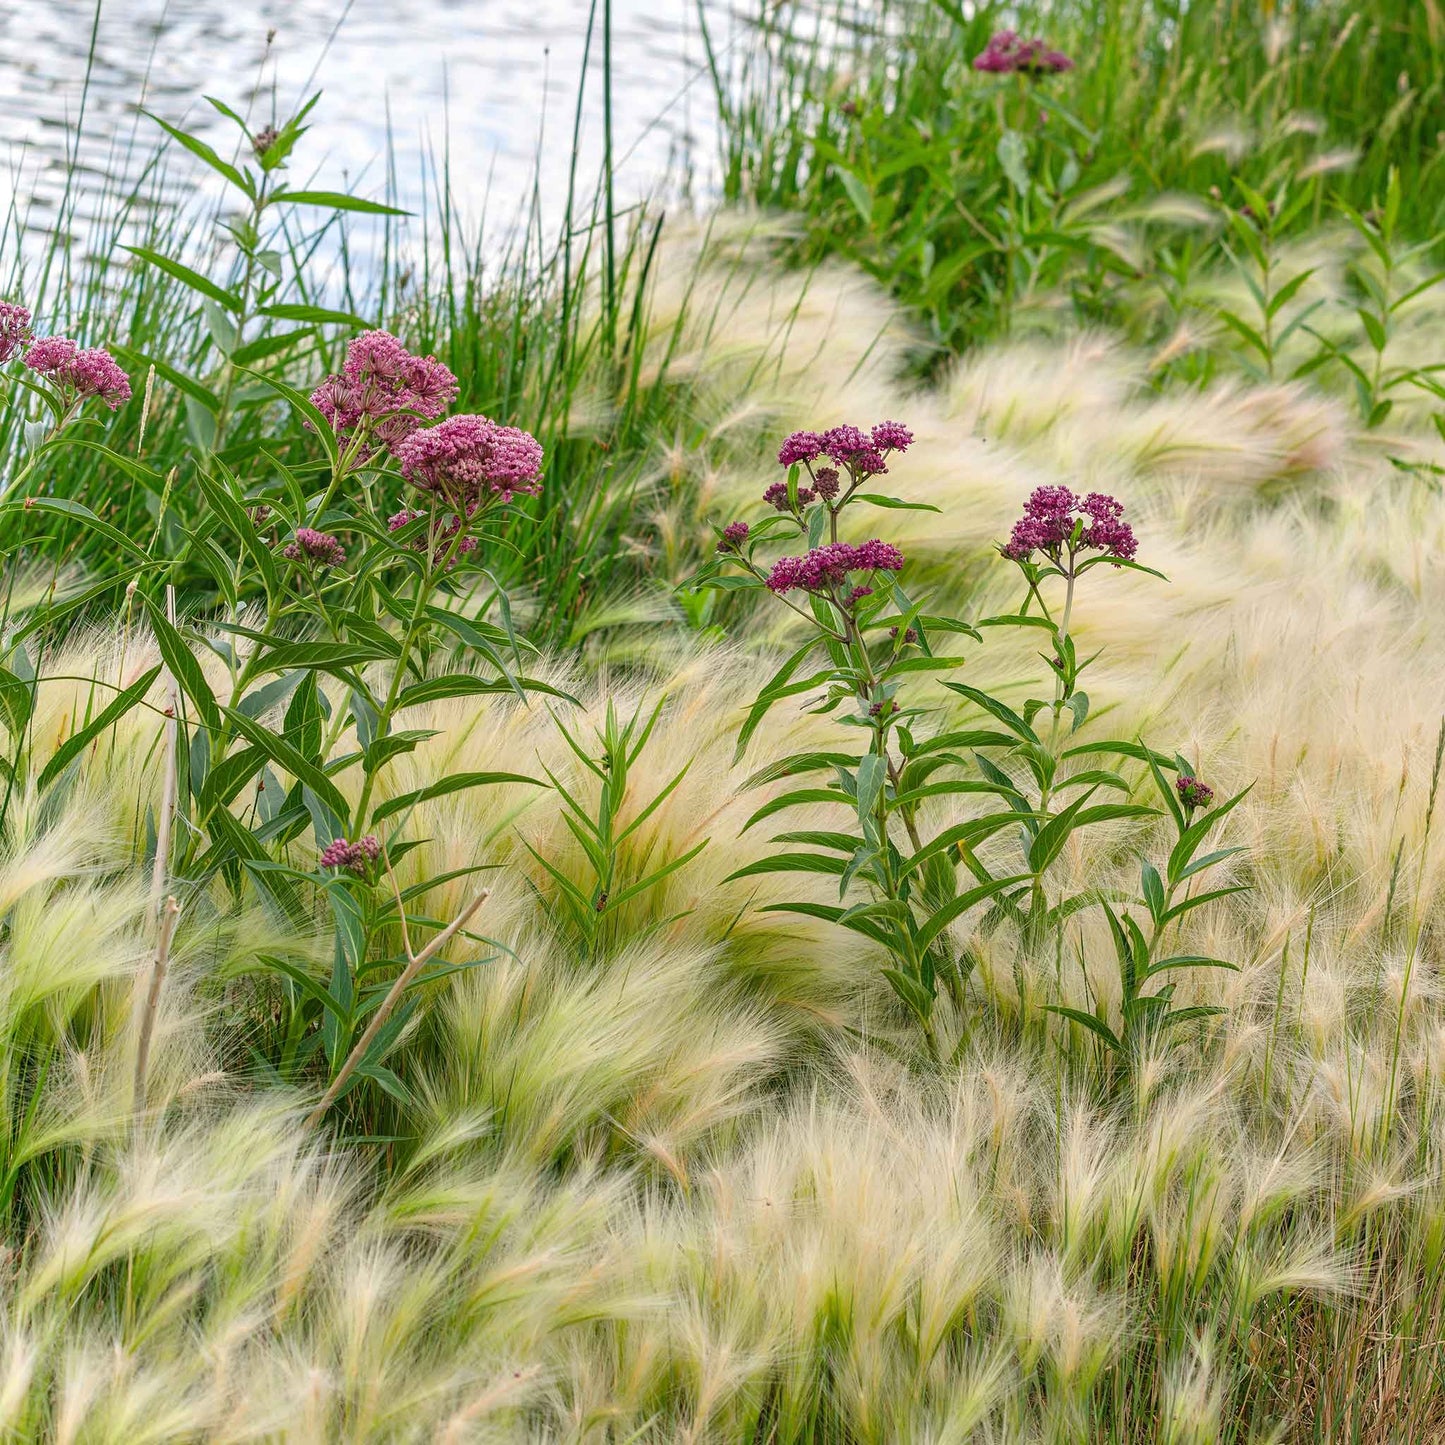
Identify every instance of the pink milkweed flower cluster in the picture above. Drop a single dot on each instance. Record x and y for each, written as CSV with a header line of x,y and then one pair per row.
x,y
466,459
15,332
733,537
1007,54
354,857
829,566
385,390
1192,793
1052,516
863,454
80,372
320,548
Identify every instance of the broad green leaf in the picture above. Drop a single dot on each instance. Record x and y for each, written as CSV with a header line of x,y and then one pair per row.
x,y
453,784
183,665
193,279
336,201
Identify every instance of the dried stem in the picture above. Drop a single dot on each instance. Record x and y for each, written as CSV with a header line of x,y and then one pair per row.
x,y
168,783
153,999
415,964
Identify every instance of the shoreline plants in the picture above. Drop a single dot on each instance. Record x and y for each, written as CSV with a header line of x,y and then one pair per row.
x,y
875,643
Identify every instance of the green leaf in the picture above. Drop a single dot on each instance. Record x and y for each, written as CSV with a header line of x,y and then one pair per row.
x,y
107,717
955,908
319,656
791,863
293,311
893,503
769,694
183,665
833,914
1005,714
857,191
199,148
291,759
1052,836
63,507
1094,1025
453,784
337,201
177,272
1188,960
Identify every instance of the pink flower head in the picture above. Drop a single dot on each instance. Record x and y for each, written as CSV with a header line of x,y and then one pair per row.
x,y
15,333
49,354
829,566
1051,517
734,535
89,372
313,546
855,449
1192,793
354,857
802,446
892,436
385,389
1007,54
825,479
466,458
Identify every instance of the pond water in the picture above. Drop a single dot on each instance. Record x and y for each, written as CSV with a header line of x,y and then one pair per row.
x,y
492,84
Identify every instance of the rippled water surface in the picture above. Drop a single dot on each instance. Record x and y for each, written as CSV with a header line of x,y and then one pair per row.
x,y
491,83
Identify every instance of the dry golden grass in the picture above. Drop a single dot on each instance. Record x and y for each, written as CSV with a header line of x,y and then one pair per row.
x,y
688,1190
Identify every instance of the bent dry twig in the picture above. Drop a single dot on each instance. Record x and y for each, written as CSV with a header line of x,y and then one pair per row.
x,y
153,998
415,963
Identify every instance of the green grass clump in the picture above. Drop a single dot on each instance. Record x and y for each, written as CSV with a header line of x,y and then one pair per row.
x,y
986,202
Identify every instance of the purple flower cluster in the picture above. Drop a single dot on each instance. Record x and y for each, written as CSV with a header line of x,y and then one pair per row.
x,y
1192,793
355,857
733,537
864,454
384,389
829,566
81,371
1051,516
466,458
313,546
1007,54
15,333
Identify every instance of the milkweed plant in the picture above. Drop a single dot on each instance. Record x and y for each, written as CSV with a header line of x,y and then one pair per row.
x,y
869,646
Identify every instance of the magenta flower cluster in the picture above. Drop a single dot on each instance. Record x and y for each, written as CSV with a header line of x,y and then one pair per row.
x,y
1051,517
733,537
829,566
1192,793
385,390
15,332
354,857
864,454
466,458
80,371
1007,54
319,548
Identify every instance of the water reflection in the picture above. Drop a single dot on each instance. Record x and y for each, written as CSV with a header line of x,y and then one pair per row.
x,y
488,85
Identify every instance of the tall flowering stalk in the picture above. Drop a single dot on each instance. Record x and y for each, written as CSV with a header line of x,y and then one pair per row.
x,y
868,642
60,374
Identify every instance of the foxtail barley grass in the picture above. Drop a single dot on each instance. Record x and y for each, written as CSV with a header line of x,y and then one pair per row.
x,y
693,1189
695,1181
